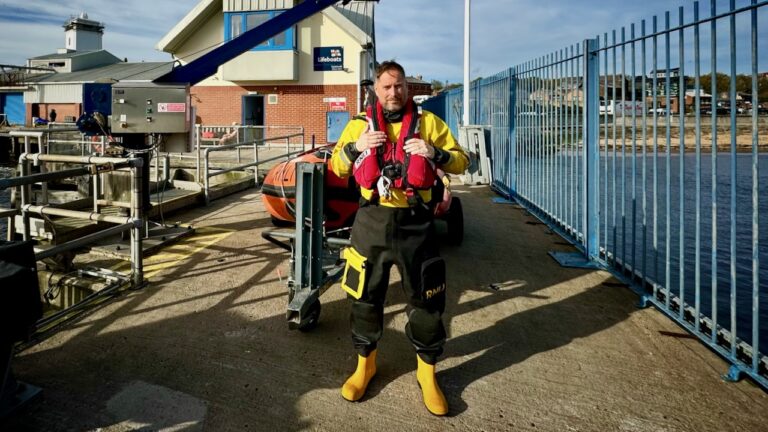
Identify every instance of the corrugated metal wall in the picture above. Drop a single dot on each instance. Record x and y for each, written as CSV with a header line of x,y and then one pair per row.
x,y
54,93
249,5
12,106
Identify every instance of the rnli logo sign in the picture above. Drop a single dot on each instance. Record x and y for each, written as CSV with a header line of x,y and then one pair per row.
x,y
329,58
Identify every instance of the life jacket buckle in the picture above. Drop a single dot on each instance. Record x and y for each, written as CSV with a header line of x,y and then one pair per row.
x,y
392,171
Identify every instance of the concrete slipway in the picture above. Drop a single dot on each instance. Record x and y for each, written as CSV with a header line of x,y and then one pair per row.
x,y
205,346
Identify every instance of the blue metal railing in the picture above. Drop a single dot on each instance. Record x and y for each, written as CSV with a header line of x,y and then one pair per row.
x,y
607,142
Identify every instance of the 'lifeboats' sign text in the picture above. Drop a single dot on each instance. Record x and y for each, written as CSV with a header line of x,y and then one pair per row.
x,y
329,58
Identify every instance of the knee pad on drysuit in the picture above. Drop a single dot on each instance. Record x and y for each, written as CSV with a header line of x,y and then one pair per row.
x,y
426,332
425,326
367,322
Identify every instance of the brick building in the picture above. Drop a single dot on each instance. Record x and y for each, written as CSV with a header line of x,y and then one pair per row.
x,y
307,76
418,87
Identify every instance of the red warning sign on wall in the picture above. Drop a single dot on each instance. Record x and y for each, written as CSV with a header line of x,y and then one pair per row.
x,y
172,107
338,105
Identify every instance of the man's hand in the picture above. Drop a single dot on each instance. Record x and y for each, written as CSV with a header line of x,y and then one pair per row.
x,y
420,147
370,139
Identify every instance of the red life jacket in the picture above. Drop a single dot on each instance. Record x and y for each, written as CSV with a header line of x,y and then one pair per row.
x,y
406,171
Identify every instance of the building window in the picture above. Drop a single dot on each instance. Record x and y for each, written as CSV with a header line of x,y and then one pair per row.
x,y
235,26
237,23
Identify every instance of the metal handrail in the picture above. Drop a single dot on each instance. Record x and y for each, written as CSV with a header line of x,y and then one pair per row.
x,y
206,159
134,222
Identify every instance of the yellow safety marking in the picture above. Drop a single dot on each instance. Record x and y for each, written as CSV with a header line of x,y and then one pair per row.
x,y
173,254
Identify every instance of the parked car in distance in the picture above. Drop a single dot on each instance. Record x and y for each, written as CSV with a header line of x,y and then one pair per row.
x,y
720,111
659,111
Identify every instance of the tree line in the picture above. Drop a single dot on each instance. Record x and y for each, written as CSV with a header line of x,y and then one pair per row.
x,y
723,84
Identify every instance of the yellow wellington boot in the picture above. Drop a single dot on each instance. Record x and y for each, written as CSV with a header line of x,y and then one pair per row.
x,y
354,388
430,391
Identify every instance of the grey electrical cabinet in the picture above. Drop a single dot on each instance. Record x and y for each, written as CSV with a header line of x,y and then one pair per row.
x,y
150,108
476,141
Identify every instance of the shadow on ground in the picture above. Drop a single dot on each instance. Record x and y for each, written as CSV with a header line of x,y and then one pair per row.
x,y
213,327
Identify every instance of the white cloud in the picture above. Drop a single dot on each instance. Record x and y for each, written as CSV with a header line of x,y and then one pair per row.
x,y
132,27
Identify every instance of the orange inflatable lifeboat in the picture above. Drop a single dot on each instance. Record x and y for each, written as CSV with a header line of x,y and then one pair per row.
x,y
342,196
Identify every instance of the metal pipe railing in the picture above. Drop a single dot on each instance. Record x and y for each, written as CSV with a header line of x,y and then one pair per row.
x,y
91,216
96,165
83,241
137,214
58,175
39,157
207,174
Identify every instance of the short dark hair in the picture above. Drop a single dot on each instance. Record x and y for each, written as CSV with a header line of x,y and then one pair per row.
x,y
387,66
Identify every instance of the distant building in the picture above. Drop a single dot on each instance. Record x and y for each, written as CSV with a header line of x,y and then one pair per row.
x,y
705,99
418,87
64,91
661,90
83,34
82,50
58,83
65,61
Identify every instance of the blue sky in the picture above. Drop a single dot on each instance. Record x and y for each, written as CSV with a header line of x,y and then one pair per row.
x,y
425,35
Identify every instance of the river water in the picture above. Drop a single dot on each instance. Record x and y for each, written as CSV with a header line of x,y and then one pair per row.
x,y
632,240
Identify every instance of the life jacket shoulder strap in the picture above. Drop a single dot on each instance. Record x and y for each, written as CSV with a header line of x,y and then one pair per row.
x,y
413,130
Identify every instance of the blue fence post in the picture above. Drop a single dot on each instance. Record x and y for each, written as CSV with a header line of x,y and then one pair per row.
x,y
589,165
474,114
512,172
591,146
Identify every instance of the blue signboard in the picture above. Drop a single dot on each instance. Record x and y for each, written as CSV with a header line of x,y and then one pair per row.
x,y
329,58
97,97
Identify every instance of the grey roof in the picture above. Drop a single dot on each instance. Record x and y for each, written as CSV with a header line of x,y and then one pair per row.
x,y
147,71
415,80
71,54
360,14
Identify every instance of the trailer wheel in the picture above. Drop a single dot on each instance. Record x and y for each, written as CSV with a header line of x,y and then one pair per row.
x,y
310,320
313,317
455,220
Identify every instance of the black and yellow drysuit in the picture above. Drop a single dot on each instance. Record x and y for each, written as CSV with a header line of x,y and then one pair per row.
x,y
391,231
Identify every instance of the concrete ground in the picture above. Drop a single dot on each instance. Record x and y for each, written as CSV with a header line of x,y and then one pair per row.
x,y
532,346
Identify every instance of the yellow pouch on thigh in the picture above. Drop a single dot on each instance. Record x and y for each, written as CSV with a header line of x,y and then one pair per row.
x,y
353,281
